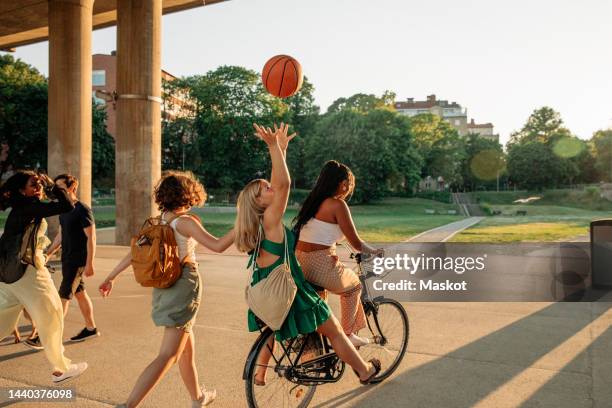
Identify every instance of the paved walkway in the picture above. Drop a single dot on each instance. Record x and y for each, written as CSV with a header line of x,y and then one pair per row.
x,y
460,354
445,232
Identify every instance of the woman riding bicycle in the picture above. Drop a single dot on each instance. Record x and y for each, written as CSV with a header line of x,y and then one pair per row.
x,y
323,220
264,203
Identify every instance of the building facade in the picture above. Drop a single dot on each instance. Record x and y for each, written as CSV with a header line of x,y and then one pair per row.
x,y
104,89
452,112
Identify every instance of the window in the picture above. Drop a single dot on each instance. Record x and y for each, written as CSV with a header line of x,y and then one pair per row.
x,y
98,78
457,122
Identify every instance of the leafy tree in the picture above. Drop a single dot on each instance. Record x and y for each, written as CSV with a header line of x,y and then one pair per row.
x,y
376,145
531,165
103,150
228,101
363,103
23,114
485,162
543,125
565,151
441,147
602,149
302,114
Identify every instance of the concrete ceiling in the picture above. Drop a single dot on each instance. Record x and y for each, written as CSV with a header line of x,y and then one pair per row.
x,y
26,21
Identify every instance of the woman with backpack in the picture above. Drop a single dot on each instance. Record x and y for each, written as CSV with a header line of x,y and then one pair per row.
x,y
25,281
175,307
261,206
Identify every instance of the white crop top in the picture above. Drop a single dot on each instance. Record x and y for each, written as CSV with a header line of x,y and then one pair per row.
x,y
320,232
186,246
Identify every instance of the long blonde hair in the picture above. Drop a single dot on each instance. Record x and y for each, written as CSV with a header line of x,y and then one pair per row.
x,y
249,216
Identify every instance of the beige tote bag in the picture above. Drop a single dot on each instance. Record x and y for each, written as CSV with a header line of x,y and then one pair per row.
x,y
271,298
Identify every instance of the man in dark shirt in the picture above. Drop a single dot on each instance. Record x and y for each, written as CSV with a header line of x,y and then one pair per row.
x,y
77,238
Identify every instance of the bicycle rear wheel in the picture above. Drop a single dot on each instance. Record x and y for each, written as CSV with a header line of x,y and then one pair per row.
x,y
388,331
278,391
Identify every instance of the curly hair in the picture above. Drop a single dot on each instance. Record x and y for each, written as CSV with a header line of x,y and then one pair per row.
x,y
178,189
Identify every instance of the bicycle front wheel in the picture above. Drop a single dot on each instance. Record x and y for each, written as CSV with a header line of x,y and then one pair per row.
x,y
276,390
388,331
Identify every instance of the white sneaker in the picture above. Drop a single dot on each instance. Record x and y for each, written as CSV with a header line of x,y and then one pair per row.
x,y
358,341
74,371
208,396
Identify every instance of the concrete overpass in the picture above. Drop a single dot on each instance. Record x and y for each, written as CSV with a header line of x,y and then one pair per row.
x,y
67,25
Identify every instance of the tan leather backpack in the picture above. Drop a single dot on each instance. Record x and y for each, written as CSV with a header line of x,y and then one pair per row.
x,y
155,255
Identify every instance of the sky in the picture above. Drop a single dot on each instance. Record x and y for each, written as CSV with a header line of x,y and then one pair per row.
x,y
499,59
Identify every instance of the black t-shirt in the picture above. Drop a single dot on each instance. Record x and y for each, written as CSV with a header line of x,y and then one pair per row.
x,y
74,240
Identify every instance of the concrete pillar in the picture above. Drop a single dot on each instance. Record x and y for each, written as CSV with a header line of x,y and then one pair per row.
x,y
69,128
69,100
138,139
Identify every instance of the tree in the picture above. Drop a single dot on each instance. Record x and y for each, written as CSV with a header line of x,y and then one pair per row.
x,y
377,146
441,147
485,162
103,150
543,125
364,103
228,101
23,114
602,150
531,165
302,114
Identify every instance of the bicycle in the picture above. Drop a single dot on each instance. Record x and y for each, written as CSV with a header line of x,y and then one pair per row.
x,y
300,364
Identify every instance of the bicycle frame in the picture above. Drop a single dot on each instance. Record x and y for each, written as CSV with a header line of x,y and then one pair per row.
x,y
326,364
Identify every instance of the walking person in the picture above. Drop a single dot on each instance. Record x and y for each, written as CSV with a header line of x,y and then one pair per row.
x,y
24,239
261,206
323,220
77,239
175,308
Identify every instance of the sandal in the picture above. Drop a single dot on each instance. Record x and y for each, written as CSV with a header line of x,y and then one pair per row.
x,y
376,363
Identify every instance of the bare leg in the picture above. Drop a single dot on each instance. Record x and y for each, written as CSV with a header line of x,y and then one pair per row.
x,y
344,348
188,370
65,304
86,308
172,346
262,362
34,331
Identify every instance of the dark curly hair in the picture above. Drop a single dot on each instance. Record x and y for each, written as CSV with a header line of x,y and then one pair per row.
x,y
178,189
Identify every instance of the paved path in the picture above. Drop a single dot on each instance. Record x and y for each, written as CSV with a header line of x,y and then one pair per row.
x,y
460,355
445,232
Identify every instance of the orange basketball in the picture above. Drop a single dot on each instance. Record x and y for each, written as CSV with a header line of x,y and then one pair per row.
x,y
282,76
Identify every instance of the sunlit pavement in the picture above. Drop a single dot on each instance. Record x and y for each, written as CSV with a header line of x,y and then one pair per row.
x,y
460,354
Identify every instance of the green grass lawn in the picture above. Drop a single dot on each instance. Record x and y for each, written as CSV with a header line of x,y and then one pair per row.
x,y
389,220
542,223
559,215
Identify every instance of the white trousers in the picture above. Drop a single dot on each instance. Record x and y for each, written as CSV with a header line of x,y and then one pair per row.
x,y
36,292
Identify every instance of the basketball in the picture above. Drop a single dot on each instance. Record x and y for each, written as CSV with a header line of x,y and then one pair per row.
x,y
282,76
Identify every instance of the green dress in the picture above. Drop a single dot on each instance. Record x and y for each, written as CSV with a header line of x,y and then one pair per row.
x,y
308,310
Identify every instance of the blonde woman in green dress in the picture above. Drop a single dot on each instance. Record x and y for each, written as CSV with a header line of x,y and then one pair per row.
x,y
264,202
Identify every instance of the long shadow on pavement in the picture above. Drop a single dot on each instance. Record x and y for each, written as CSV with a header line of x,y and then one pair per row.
x,y
463,377
548,394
